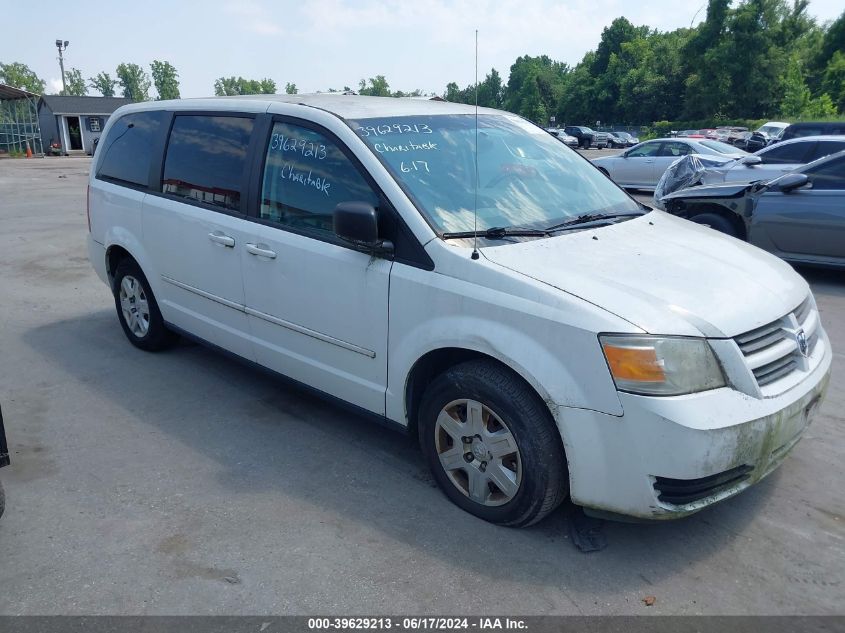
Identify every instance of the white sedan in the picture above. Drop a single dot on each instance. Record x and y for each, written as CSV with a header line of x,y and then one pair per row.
x,y
775,160
642,166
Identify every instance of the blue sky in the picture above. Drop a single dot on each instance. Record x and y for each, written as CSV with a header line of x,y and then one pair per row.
x,y
321,44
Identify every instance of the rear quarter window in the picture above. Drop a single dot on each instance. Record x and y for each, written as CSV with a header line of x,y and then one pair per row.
x,y
126,154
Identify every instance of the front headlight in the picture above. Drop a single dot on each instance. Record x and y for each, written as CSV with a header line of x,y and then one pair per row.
x,y
661,366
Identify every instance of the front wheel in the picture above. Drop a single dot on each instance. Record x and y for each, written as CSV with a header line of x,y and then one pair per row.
x,y
492,445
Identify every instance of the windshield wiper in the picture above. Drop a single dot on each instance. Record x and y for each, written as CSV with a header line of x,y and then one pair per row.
x,y
497,233
586,218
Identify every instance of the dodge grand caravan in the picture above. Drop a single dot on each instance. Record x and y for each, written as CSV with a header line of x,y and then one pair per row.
x,y
470,279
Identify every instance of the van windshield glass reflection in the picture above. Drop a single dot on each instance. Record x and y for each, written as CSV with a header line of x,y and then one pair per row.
x,y
526,177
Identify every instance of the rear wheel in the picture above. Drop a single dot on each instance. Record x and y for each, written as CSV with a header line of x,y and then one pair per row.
x,y
491,444
137,309
715,221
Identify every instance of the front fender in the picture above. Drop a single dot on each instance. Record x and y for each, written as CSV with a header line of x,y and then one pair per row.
x,y
561,361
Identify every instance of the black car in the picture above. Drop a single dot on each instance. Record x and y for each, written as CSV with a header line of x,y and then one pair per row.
x,y
585,135
821,128
4,461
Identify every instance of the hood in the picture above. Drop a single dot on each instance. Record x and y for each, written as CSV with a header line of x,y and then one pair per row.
x,y
663,274
710,191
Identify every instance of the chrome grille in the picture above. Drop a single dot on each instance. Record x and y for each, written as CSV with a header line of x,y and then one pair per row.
x,y
772,351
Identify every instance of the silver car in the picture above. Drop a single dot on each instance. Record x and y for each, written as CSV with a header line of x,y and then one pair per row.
x,y
799,216
775,160
642,166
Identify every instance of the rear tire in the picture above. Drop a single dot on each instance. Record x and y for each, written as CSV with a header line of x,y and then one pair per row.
x,y
717,222
492,444
137,309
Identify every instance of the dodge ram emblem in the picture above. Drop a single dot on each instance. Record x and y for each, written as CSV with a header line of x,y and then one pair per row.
x,y
803,346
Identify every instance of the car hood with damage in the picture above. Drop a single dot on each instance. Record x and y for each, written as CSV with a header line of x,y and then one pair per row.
x,y
729,190
663,274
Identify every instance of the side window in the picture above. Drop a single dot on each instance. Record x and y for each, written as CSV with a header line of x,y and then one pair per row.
x,y
825,148
646,149
675,149
831,175
206,158
785,154
305,176
126,154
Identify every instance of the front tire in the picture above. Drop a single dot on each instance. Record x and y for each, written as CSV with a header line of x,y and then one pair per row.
x,y
492,445
717,222
137,309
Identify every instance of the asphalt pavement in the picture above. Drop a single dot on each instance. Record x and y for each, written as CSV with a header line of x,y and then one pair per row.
x,y
185,483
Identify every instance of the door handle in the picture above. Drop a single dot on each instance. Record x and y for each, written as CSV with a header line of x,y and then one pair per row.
x,y
260,251
221,238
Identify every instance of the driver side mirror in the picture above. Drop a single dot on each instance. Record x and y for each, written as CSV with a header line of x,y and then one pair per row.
x,y
357,222
791,182
750,161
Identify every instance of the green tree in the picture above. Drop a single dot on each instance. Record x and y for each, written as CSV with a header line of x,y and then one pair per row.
x,y
291,89
103,83
796,96
75,84
232,86
834,80
166,80
377,87
19,75
821,107
134,82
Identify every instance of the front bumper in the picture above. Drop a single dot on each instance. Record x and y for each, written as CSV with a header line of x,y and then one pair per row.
x,y
656,460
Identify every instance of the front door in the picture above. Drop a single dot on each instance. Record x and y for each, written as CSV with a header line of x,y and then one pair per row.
x,y
195,230
74,132
808,223
635,168
317,307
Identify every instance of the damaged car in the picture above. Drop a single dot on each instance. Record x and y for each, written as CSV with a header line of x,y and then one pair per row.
x,y
799,216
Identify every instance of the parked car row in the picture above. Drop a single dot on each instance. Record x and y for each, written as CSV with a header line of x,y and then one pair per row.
x,y
642,166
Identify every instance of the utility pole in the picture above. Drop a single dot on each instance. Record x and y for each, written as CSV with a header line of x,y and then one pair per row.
x,y
62,46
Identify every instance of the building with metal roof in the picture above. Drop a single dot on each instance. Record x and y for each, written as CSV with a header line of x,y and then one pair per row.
x,y
73,123
19,127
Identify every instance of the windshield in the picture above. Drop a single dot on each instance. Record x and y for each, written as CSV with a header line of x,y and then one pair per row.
x,y
526,177
772,130
722,148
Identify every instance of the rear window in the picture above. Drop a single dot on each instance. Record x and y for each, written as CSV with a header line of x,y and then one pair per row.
x,y
206,158
126,154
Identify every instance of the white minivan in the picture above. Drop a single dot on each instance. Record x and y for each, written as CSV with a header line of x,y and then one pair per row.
x,y
469,278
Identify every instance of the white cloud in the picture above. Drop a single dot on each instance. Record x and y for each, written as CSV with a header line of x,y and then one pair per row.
x,y
54,86
253,17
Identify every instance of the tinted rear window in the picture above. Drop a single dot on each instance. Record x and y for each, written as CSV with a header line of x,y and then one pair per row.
x,y
127,152
206,157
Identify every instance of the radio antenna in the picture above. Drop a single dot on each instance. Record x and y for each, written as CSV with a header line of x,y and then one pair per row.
x,y
475,205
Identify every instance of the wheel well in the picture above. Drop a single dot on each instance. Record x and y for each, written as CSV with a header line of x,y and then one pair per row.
x,y
733,218
435,363
604,171
115,255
